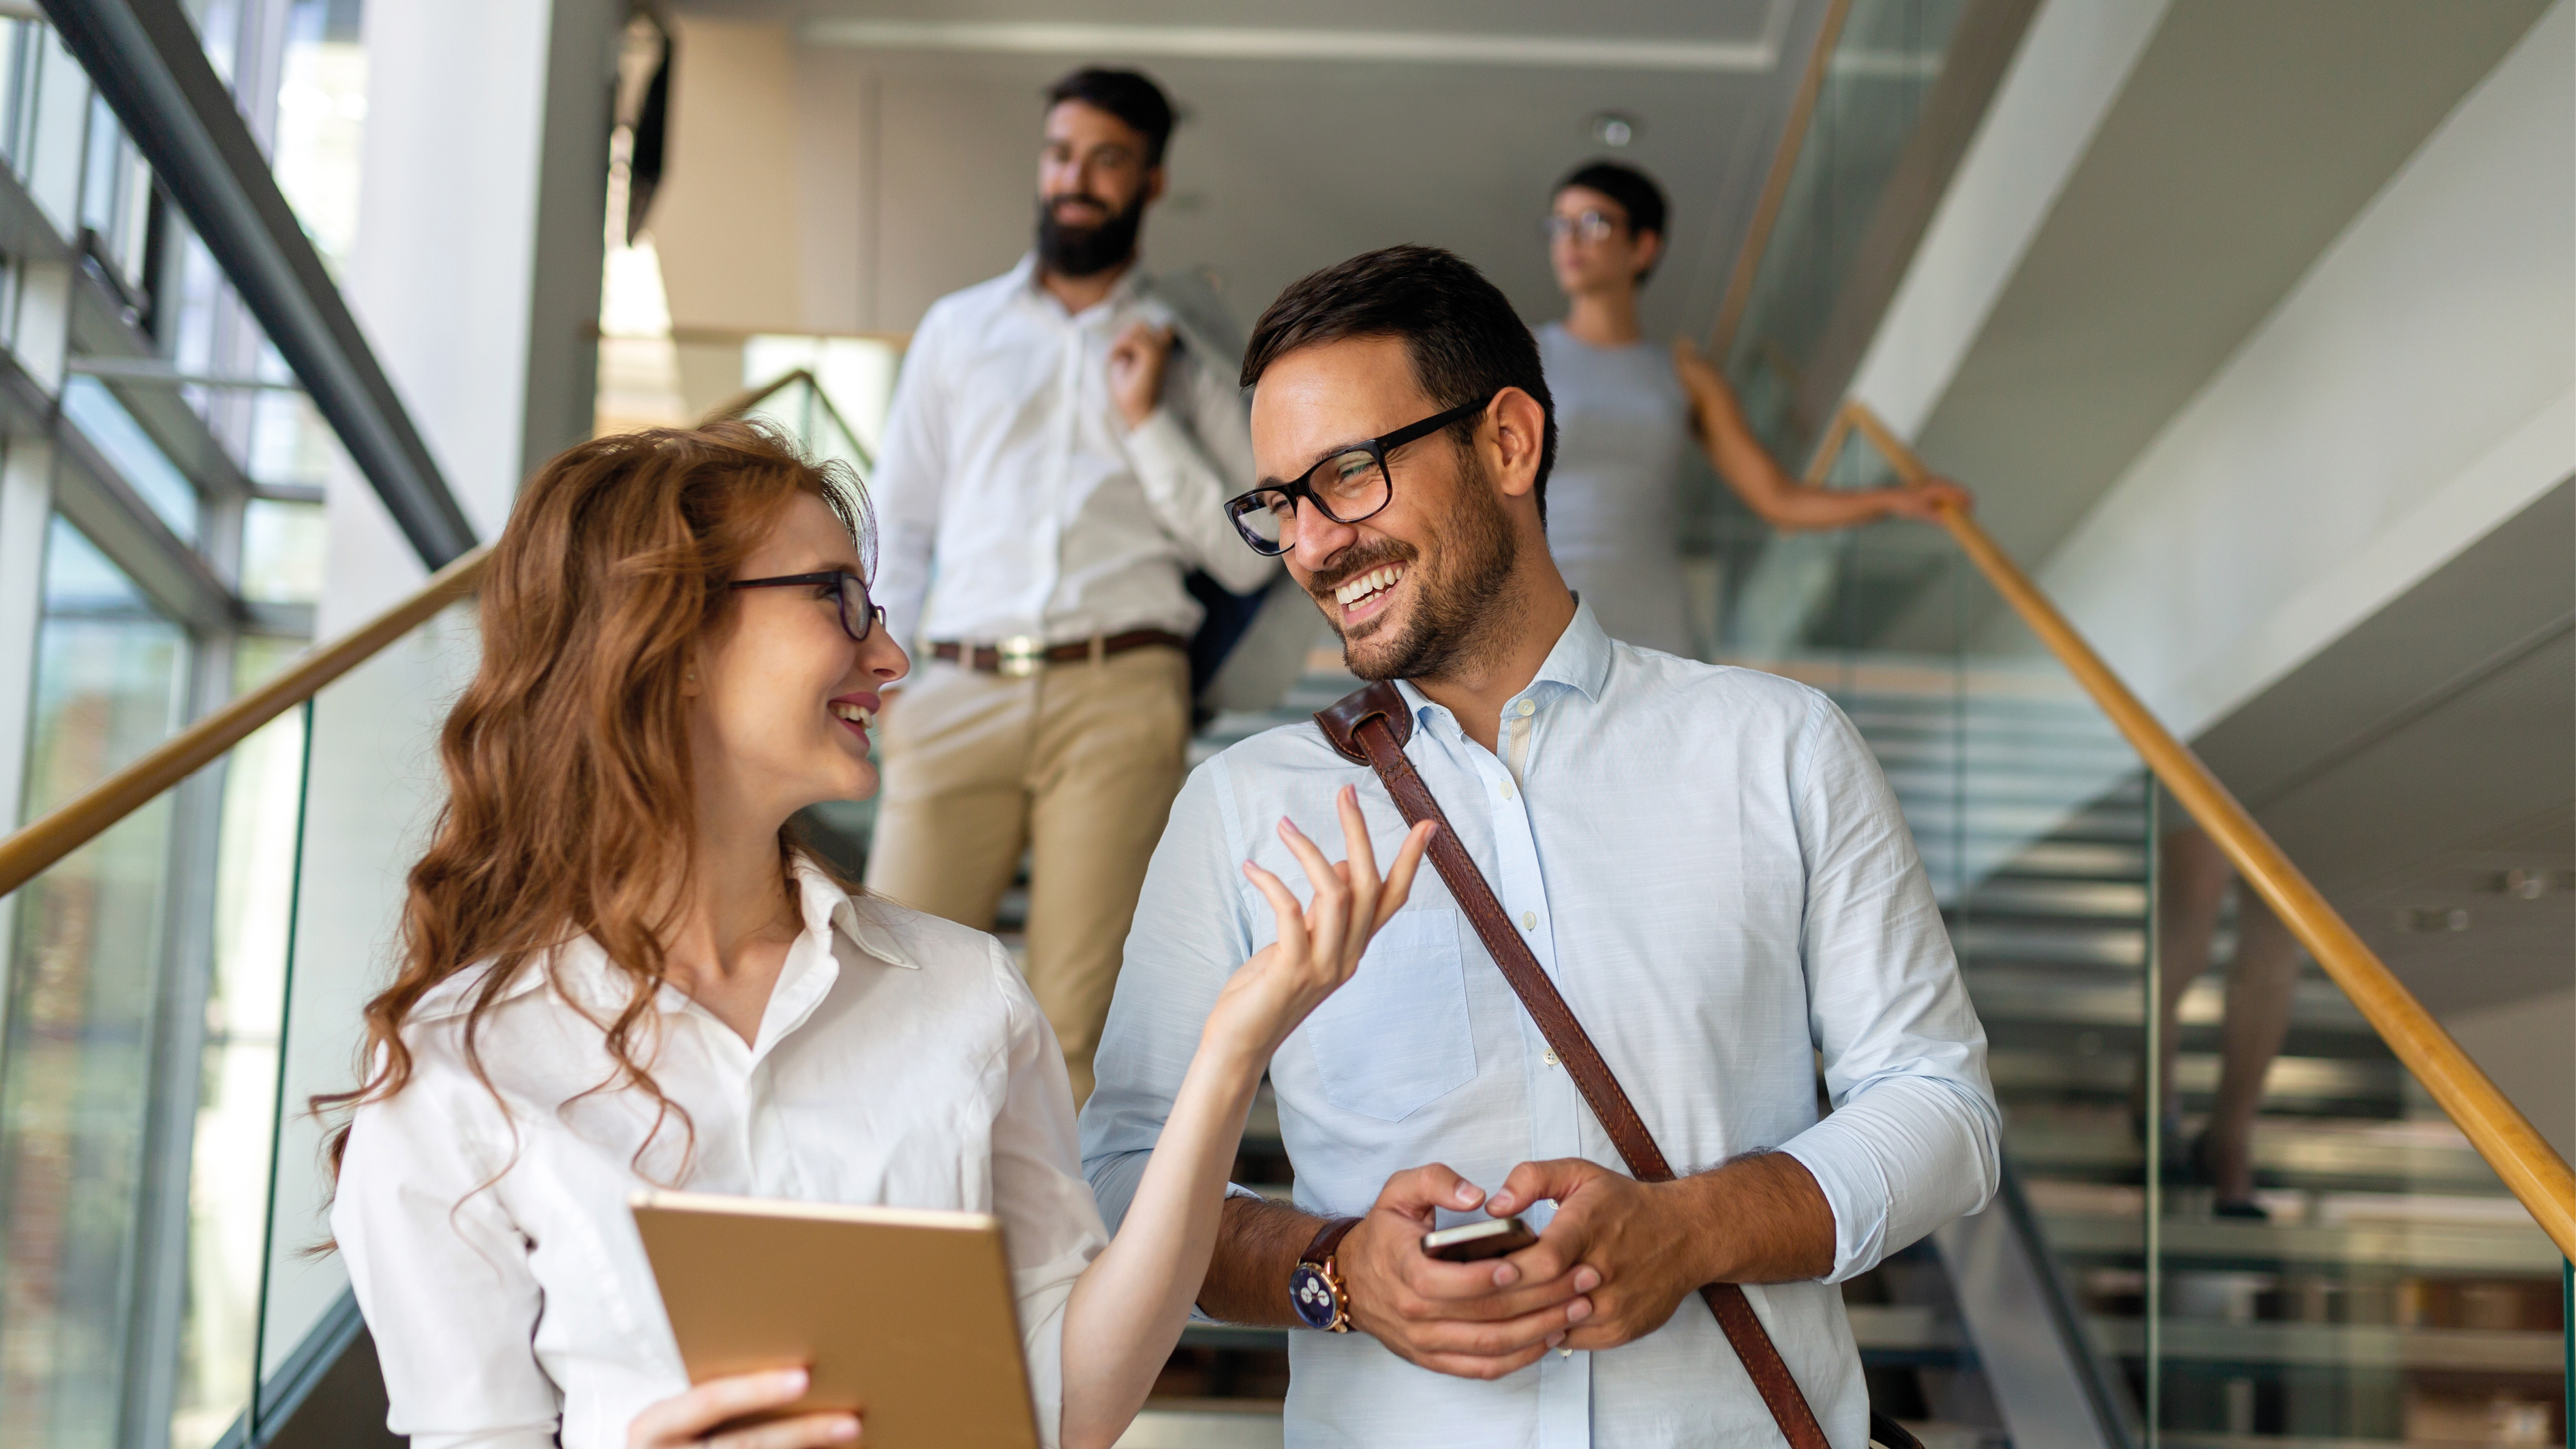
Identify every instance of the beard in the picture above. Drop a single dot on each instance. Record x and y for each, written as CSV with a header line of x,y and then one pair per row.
x,y
1453,612
1087,251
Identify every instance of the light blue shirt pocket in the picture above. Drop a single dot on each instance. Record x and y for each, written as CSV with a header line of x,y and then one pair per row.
x,y
1396,1036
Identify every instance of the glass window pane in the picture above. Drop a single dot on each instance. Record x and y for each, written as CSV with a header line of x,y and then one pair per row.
x,y
149,471
84,974
282,551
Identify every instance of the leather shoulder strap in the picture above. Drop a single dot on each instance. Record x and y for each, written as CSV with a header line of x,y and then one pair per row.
x,y
1370,726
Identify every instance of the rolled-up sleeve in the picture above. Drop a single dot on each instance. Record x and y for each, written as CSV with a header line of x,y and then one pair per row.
x,y
1048,1218
1189,936
1914,1137
441,1271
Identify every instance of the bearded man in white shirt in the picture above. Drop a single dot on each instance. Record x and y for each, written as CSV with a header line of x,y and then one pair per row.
x,y
1705,864
1054,465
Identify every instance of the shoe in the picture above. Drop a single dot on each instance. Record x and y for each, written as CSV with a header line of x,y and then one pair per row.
x,y
2203,1171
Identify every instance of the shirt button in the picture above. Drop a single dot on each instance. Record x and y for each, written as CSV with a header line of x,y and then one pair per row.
x,y
1529,920
1550,1058
1528,709
1507,789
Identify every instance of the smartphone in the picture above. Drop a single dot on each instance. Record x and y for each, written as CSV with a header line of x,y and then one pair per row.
x,y
1490,1239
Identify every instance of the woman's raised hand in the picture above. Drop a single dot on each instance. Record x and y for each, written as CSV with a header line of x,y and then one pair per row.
x,y
1319,943
693,1419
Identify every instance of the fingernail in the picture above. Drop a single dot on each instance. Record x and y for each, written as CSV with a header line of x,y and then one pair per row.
x,y
1554,1339
1501,1204
793,1380
1586,1279
846,1429
1506,1275
1578,1310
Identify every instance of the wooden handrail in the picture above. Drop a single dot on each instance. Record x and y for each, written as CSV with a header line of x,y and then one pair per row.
x,y
2532,1170
29,851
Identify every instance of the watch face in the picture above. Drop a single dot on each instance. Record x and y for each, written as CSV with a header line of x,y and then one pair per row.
x,y
1313,1294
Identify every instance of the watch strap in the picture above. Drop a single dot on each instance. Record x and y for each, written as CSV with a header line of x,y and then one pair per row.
x,y
1320,1251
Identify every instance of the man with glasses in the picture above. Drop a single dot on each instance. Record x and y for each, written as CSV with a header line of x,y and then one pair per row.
x,y
1706,864
1054,466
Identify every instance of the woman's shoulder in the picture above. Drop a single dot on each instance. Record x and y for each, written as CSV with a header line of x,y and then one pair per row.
x,y
908,937
966,967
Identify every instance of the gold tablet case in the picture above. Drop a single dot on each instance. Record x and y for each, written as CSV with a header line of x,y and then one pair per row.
x,y
905,1315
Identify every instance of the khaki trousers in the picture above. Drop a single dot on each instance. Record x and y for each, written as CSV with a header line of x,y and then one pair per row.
x,y
1076,764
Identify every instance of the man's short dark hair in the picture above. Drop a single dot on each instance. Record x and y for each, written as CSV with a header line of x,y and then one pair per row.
x,y
1464,339
1129,95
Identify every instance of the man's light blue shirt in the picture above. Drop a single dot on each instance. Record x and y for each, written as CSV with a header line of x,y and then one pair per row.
x,y
1710,866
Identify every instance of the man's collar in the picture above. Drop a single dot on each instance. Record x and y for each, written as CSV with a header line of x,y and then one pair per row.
x,y
1581,658
1580,661
1131,285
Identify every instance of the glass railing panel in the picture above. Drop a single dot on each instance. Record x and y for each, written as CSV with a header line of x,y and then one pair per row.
x,y
371,789
1883,67
2369,1280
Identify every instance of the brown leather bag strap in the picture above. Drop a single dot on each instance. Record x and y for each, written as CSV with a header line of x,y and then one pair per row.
x,y
1369,727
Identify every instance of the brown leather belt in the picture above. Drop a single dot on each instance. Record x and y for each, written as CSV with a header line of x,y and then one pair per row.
x,y
1022,655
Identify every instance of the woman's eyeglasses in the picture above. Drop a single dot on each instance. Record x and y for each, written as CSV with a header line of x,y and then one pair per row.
x,y
860,615
1589,226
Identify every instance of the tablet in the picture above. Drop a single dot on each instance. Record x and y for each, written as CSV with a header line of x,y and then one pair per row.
x,y
903,1315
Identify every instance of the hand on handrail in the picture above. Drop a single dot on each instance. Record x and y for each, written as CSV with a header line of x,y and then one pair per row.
x,y
1925,500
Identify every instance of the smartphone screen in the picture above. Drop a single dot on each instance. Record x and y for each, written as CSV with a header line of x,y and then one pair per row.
x,y
1490,1239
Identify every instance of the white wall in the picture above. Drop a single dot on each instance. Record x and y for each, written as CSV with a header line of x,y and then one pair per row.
x,y
2416,388
2523,1045
2070,68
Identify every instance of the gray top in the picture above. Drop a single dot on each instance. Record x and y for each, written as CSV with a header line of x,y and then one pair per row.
x,y
1613,503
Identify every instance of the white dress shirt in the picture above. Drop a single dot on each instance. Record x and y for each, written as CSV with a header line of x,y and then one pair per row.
x,y
901,1060
1013,499
1711,868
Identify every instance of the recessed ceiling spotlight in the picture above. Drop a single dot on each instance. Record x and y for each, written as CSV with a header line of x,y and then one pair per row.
x,y
1612,129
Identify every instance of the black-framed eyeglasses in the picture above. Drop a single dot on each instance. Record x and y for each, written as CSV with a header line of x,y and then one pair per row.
x,y
860,615
1590,226
1346,486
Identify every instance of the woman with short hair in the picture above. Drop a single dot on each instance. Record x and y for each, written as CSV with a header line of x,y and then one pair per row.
x,y
1627,411
620,970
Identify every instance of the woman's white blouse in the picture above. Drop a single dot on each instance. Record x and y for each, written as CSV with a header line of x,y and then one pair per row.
x,y
901,1061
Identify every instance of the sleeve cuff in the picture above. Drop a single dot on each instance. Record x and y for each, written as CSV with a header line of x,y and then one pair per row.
x,y
1857,1192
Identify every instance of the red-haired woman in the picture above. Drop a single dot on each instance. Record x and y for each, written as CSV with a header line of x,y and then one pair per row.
x,y
619,970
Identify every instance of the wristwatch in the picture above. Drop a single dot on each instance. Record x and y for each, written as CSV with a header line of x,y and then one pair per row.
x,y
1315,1285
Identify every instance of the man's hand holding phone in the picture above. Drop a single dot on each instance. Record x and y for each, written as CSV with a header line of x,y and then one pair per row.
x,y
1475,1319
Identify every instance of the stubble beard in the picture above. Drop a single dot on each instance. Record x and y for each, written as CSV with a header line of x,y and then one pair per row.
x,y
1453,617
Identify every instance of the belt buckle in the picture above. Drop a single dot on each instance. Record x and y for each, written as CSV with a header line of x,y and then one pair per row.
x,y
1019,656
